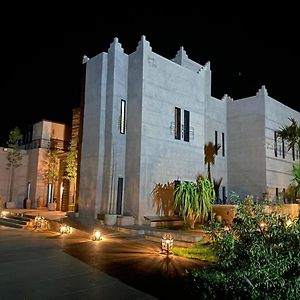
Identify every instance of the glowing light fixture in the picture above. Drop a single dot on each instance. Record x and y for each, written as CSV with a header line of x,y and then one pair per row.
x,y
40,223
96,236
263,226
167,243
4,213
64,229
289,222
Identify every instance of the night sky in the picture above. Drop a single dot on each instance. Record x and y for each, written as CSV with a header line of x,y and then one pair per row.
x,y
42,52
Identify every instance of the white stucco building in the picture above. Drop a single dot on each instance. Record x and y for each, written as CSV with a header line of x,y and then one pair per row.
x,y
146,120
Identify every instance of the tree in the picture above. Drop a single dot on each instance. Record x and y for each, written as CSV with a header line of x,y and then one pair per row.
x,y
291,133
14,156
194,200
51,174
210,151
71,167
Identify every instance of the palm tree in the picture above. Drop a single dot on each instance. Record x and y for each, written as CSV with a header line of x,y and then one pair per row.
x,y
296,178
291,133
210,151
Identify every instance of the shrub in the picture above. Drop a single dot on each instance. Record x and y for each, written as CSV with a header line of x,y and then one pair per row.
x,y
258,257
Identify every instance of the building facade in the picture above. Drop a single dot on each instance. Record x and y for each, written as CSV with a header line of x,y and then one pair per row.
x,y
146,121
29,178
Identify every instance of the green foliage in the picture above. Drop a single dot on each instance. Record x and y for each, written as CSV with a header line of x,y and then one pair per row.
x,y
14,155
234,198
71,165
296,178
201,251
194,200
258,257
291,133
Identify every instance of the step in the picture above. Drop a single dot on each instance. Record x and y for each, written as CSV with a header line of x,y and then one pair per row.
x,y
177,243
128,230
20,218
6,223
178,236
13,219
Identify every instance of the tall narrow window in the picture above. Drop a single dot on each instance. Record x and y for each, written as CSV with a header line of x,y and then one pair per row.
x,y
283,150
283,195
28,189
119,195
123,117
50,193
223,144
177,123
186,136
276,193
216,142
275,143
293,152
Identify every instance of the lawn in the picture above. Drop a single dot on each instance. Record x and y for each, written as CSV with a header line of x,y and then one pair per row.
x,y
201,251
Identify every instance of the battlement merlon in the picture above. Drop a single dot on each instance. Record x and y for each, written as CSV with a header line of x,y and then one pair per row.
x,y
182,59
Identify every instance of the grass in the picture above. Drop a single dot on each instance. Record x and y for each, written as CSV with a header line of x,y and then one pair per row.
x,y
201,251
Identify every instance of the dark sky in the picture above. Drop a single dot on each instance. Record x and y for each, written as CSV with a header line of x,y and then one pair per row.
x,y
42,51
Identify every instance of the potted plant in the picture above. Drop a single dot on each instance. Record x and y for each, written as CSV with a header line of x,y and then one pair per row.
x,y
194,200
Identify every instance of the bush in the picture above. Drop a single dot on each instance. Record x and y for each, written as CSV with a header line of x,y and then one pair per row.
x,y
258,257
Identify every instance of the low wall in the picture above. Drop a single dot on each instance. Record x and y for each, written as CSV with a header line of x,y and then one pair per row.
x,y
227,211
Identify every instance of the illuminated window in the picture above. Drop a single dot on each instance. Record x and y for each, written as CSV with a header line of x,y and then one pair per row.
x,y
123,117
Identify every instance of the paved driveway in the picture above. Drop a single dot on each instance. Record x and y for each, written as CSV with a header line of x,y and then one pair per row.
x,y
36,265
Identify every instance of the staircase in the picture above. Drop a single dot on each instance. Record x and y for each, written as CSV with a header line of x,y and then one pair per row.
x,y
13,220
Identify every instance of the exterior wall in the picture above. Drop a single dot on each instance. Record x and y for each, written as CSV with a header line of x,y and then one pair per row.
x,y
246,146
133,134
278,169
115,141
92,151
164,159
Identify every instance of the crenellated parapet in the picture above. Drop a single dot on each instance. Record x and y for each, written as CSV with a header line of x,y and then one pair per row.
x,y
143,44
227,98
262,91
115,46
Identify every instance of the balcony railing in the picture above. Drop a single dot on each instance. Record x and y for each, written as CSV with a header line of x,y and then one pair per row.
x,y
47,144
